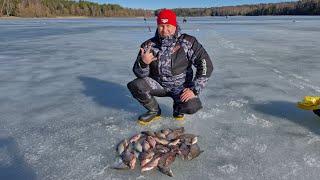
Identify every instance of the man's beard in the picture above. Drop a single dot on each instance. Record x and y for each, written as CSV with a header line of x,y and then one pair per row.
x,y
166,36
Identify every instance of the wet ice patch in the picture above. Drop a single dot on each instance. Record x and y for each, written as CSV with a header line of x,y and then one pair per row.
x,y
228,169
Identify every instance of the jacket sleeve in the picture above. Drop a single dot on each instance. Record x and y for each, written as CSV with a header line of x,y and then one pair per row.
x,y
203,64
140,69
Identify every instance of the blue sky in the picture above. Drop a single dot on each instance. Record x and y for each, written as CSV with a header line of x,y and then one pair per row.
x,y
152,4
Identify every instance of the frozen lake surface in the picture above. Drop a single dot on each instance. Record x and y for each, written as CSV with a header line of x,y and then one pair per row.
x,y
64,104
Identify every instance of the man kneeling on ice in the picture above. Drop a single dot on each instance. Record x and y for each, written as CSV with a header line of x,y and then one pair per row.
x,y
164,69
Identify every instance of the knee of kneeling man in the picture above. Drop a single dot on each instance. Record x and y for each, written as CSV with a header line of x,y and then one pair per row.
x,y
131,85
191,107
134,85
137,85
192,110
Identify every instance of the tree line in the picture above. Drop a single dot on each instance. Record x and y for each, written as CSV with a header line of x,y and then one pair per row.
x,y
301,7
53,8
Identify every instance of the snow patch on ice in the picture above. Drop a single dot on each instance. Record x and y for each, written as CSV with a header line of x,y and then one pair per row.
x,y
260,148
303,85
5,159
295,84
222,151
2,57
297,81
109,124
141,177
254,120
309,85
230,45
293,170
276,71
31,158
300,77
238,103
103,170
235,146
242,140
209,113
313,138
312,160
228,169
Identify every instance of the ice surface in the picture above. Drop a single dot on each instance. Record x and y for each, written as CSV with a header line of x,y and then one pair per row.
x,y
64,104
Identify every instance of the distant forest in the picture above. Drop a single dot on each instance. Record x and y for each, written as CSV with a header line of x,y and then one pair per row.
x,y
54,8
302,7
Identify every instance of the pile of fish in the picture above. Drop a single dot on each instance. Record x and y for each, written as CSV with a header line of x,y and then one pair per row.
x,y
157,150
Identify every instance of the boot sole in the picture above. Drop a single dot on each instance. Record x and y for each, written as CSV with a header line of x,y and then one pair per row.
x,y
143,123
179,118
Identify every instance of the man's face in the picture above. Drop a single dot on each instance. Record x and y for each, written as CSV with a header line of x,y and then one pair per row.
x,y
166,30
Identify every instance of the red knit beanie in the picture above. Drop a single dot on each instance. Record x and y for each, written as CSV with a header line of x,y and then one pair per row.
x,y
167,16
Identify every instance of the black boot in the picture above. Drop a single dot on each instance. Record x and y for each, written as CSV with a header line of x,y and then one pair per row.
x,y
317,112
152,114
178,116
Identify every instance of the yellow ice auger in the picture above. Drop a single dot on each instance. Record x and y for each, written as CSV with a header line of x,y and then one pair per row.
x,y
310,103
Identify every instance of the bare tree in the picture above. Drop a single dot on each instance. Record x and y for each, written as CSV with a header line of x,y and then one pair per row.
x,y
8,7
5,8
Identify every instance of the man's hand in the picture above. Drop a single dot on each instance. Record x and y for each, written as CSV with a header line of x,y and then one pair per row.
x,y
187,95
147,56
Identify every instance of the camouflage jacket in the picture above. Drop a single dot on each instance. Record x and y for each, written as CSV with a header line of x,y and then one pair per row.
x,y
173,67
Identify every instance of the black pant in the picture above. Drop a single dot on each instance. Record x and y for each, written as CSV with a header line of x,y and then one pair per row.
x,y
143,90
